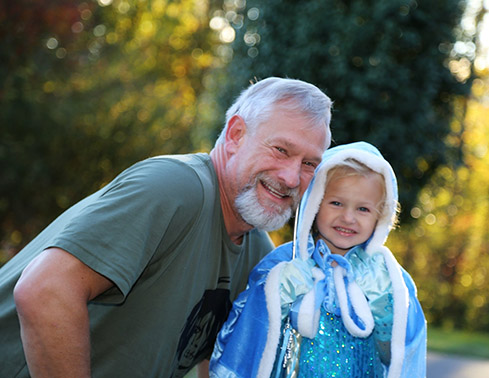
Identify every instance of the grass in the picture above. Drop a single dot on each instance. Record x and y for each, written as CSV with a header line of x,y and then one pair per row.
x,y
461,343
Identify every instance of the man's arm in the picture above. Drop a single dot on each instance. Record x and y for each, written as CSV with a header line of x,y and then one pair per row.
x,y
51,298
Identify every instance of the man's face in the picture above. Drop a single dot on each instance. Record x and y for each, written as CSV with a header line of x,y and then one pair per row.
x,y
273,167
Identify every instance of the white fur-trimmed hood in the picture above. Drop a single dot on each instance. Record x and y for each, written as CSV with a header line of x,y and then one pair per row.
x,y
311,201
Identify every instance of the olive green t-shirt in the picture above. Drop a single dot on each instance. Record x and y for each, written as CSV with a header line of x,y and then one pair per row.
x,y
157,232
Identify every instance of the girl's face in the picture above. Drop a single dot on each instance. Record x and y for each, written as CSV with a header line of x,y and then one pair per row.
x,y
349,211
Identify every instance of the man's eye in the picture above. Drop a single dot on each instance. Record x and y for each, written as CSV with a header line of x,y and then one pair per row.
x,y
280,149
310,164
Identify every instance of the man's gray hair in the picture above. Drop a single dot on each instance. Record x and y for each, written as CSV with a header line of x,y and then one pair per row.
x,y
256,103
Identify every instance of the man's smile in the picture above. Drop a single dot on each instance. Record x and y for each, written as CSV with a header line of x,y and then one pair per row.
x,y
273,191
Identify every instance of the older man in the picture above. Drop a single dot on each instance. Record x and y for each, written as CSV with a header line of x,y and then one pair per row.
x,y
136,279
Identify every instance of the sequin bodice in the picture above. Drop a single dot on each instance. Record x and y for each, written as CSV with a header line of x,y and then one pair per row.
x,y
336,353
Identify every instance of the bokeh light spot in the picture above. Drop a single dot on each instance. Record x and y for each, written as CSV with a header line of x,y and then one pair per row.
x,y
52,43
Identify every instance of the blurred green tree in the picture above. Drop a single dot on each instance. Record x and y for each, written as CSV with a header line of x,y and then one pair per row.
x,y
88,88
445,248
384,63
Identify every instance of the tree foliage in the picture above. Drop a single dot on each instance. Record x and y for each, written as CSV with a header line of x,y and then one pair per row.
x,y
88,88
445,249
384,64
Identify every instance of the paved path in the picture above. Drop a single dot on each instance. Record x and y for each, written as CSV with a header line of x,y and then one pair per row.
x,y
449,366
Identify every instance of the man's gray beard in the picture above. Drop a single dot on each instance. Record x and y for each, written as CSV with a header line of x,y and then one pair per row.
x,y
254,214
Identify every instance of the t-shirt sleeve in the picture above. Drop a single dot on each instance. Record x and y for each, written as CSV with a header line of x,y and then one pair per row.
x,y
117,233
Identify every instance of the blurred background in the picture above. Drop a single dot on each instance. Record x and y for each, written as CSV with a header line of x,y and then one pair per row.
x,y
88,88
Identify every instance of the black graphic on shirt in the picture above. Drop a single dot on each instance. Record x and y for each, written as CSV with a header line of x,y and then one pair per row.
x,y
201,329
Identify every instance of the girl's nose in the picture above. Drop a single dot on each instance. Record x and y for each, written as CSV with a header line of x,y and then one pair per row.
x,y
348,215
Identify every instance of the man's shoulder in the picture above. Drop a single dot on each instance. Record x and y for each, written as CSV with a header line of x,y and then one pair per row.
x,y
198,162
194,161
186,180
190,169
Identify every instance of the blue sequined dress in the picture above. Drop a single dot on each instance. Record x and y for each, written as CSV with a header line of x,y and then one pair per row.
x,y
334,352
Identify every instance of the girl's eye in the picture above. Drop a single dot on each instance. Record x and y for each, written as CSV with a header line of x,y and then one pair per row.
x,y
335,203
364,209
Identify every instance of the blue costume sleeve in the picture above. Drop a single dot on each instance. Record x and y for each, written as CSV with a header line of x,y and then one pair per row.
x,y
241,341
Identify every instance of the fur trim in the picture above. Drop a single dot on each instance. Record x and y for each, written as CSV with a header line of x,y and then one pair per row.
x,y
359,303
307,213
272,295
401,306
308,317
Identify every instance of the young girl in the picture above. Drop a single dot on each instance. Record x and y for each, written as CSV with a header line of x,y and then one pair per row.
x,y
334,302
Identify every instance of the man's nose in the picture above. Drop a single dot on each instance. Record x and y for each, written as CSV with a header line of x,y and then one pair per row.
x,y
290,174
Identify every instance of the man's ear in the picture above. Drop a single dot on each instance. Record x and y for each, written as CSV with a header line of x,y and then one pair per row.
x,y
235,133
